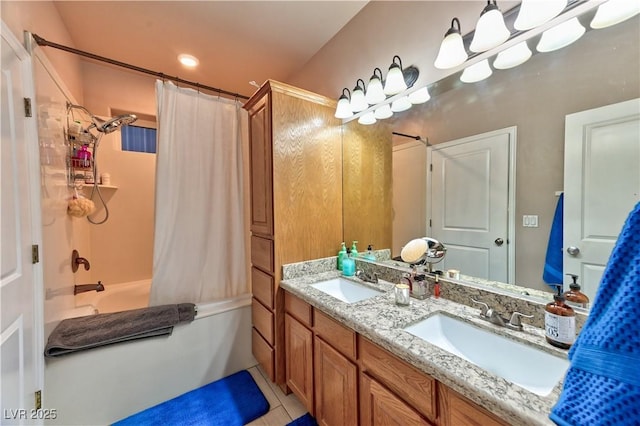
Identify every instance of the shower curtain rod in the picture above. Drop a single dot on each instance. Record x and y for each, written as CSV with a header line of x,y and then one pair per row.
x,y
43,42
418,138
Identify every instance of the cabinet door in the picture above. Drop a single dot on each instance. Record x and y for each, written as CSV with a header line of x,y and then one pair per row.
x,y
336,387
379,406
299,360
456,410
260,153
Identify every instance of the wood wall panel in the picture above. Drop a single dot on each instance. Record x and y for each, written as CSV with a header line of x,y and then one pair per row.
x,y
307,195
367,196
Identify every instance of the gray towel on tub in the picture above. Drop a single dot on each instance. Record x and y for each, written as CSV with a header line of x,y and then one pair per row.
x,y
92,331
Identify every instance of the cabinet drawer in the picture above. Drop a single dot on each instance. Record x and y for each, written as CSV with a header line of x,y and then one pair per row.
x,y
262,253
262,287
337,335
412,385
263,353
262,320
456,410
298,308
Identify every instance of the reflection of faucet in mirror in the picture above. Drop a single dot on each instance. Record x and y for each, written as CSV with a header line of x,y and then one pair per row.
x,y
423,250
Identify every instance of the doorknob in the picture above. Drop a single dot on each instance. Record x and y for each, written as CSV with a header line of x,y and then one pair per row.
x,y
499,241
573,251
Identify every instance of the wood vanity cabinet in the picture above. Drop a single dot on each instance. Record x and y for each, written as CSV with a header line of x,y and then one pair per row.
x,y
343,378
295,151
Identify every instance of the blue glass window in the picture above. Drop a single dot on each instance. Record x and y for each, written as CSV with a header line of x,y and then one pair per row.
x,y
138,139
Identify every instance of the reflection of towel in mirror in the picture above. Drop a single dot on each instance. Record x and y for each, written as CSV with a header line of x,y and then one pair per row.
x,y
76,334
602,385
553,261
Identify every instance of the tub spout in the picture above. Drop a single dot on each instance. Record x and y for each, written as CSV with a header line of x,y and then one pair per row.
x,y
87,287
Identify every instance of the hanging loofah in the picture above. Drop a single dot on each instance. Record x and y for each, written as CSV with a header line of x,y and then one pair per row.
x,y
80,206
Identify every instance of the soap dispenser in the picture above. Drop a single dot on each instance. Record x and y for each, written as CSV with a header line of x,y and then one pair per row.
x,y
348,265
575,297
369,254
354,250
341,255
559,322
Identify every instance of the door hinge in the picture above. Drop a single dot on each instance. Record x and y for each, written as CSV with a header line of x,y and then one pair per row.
x,y
38,400
27,107
430,223
431,167
35,254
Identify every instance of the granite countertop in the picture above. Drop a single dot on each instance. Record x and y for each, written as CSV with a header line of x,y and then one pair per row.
x,y
382,321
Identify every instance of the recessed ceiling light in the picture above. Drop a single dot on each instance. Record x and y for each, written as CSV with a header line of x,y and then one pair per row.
x,y
188,60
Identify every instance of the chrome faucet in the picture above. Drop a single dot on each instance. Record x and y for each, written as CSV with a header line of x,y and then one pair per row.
x,y
366,277
87,287
494,317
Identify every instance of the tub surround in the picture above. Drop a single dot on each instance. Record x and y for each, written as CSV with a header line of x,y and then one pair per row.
x,y
380,320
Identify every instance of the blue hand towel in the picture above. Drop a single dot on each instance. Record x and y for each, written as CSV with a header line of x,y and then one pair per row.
x,y
552,273
602,385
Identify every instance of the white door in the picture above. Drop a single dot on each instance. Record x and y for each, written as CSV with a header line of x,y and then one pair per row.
x,y
20,319
601,186
470,200
409,194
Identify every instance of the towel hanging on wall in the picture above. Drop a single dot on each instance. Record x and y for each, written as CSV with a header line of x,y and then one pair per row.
x,y
552,273
602,385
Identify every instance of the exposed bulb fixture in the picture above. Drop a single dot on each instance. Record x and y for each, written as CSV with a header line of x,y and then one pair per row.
x,y
375,92
395,79
534,13
476,72
367,118
491,30
614,12
513,56
452,52
382,112
420,96
343,110
188,60
358,101
401,104
560,36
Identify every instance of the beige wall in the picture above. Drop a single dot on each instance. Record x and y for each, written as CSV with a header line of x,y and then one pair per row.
x,y
601,68
122,247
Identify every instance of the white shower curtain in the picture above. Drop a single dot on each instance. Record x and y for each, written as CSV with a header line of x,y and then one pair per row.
x,y
199,243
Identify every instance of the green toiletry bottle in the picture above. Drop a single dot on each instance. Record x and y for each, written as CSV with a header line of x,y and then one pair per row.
x,y
354,250
342,253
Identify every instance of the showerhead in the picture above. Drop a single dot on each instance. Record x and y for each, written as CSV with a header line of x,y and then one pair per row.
x,y
114,123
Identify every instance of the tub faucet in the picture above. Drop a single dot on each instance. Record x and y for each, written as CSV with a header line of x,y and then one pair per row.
x,y
87,287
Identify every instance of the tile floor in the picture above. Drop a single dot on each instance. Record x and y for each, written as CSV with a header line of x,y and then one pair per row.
x,y
283,408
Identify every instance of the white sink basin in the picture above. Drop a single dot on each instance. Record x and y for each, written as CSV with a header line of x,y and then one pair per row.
x,y
525,366
345,290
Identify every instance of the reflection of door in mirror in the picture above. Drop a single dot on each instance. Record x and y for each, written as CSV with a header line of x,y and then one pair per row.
x,y
470,200
409,189
602,185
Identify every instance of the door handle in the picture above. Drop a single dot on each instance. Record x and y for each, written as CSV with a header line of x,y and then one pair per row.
x,y
499,241
573,251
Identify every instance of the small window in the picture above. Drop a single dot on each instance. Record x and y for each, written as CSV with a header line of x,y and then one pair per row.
x,y
138,139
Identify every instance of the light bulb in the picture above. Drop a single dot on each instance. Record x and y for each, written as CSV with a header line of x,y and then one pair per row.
x,y
491,30
476,72
367,118
534,13
513,56
560,36
420,96
452,52
401,104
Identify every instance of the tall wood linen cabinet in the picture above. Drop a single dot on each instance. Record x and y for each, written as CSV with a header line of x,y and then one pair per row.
x,y
295,150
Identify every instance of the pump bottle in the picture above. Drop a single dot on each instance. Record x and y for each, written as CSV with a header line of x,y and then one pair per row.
x,y
575,297
559,322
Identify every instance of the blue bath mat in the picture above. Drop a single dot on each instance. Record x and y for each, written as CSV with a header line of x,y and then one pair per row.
x,y
306,420
234,400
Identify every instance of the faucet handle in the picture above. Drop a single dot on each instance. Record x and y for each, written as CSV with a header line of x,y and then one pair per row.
x,y
483,309
515,322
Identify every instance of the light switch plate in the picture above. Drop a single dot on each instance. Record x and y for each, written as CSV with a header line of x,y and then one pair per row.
x,y
530,221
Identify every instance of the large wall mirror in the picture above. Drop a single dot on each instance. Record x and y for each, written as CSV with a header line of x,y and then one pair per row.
x,y
601,68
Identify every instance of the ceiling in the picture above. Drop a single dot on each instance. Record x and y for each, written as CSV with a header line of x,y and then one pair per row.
x,y
235,41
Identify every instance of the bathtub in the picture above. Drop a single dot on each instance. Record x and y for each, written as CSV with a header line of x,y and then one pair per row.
x,y
103,385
